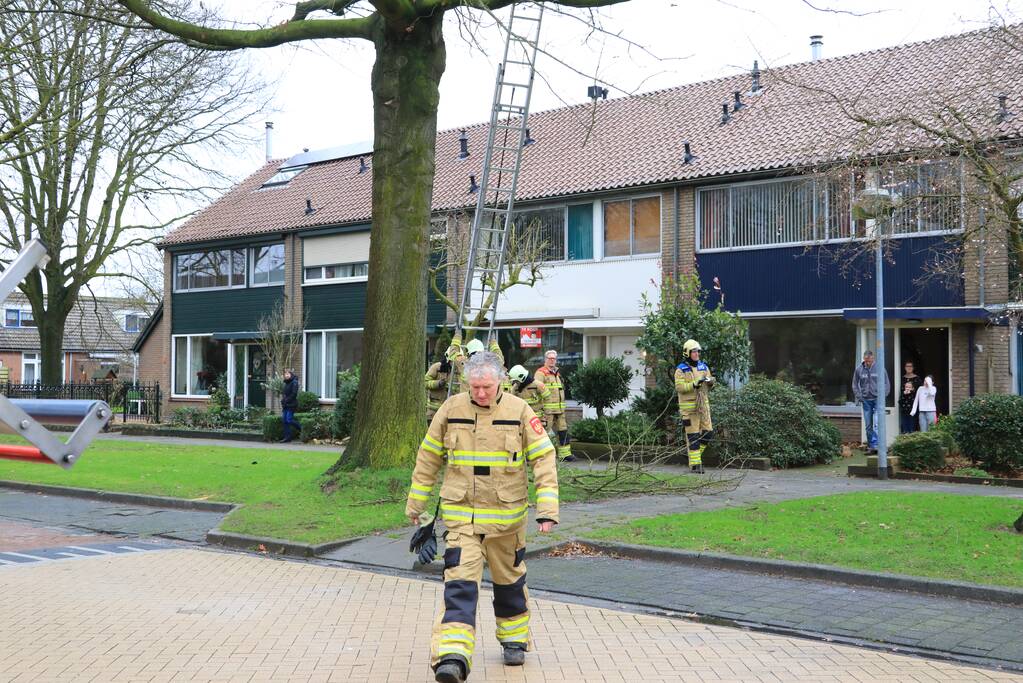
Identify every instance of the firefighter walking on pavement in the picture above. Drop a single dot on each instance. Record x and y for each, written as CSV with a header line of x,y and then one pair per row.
x,y
550,375
484,438
693,381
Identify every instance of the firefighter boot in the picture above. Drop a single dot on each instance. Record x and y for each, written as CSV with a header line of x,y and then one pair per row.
x,y
450,671
514,654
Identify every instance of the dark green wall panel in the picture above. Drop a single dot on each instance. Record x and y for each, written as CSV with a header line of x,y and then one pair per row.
x,y
335,306
227,310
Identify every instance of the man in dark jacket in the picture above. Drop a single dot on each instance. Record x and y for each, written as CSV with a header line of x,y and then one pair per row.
x,y
289,403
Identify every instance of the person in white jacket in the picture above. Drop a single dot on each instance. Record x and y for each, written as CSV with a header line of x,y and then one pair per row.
x,y
924,404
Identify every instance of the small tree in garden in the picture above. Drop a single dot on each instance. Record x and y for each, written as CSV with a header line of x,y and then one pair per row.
x,y
280,336
601,383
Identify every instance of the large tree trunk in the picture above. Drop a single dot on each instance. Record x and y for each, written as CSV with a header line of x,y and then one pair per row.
x,y
51,347
391,407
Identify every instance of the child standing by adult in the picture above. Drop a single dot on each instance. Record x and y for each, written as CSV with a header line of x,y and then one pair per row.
x,y
924,404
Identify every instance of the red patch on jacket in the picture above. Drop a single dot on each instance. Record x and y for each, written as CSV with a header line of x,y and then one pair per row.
x,y
537,425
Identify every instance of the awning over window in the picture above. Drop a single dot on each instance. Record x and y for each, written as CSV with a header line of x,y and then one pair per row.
x,y
964,313
236,336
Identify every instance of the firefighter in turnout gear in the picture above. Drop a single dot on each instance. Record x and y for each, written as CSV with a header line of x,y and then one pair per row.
x,y
530,390
554,407
437,378
693,382
459,354
484,439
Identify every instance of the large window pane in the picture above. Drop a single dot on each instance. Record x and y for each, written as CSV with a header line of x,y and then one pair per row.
x,y
818,354
616,228
330,357
181,365
207,364
580,232
314,362
646,225
183,265
237,267
568,344
268,265
541,232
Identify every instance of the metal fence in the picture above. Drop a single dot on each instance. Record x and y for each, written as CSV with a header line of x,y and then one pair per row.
x,y
130,401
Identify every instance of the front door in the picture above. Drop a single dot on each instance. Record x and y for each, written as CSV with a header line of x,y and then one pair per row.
x,y
239,376
625,347
927,349
256,371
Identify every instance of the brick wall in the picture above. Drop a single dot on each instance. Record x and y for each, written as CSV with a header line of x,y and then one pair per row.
x,y
154,357
686,230
848,427
990,365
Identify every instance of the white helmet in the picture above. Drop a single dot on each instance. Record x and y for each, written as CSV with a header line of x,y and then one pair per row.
x,y
474,346
518,374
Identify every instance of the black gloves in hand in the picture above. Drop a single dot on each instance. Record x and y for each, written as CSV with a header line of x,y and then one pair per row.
x,y
445,366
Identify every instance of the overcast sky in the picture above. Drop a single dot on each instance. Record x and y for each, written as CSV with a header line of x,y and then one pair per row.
x,y
321,93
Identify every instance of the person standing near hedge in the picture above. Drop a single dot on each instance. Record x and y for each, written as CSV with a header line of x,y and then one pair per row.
x,y
865,384
924,404
910,383
289,403
693,381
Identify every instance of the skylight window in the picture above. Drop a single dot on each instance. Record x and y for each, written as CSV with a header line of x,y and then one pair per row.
x,y
284,176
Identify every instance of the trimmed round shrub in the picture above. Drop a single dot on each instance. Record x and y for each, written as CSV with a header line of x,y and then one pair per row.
x,y
273,428
989,431
317,424
625,428
601,383
308,401
920,451
773,419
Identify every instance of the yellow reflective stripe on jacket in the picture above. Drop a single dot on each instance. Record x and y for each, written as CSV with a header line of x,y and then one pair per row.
x,y
461,513
542,446
419,492
482,459
432,445
547,494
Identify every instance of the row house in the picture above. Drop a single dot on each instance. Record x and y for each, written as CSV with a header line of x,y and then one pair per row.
x,y
737,180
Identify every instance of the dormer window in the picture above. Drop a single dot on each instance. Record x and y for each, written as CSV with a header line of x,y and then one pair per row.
x,y
283,176
135,322
15,317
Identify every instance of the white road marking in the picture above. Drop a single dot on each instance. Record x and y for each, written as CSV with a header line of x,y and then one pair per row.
x,y
30,557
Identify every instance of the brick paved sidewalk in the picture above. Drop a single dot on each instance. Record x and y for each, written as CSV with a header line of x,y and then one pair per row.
x,y
195,614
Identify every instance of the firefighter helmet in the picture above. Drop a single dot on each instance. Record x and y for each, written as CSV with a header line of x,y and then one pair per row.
x,y
691,345
518,374
474,346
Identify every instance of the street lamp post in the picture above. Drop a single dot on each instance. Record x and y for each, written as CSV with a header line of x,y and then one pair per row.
x,y
878,205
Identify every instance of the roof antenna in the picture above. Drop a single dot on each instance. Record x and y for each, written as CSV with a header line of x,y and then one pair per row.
x,y
309,210
687,157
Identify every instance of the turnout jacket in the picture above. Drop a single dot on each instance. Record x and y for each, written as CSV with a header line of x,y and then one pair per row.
x,y
690,394
436,387
534,393
484,453
551,379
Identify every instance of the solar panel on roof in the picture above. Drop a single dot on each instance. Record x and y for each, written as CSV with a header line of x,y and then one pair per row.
x,y
317,156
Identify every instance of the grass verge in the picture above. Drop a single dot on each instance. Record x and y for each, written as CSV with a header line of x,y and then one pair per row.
x,y
280,491
944,536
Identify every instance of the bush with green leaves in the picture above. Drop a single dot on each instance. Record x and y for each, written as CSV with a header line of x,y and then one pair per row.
x,y
660,405
273,428
768,418
681,314
989,431
971,472
308,401
347,396
601,383
945,426
625,428
920,451
317,424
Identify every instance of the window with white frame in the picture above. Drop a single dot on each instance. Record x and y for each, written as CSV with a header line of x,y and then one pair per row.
x,y
632,227
18,317
31,368
199,364
220,269
337,272
326,354
267,265
802,210
135,322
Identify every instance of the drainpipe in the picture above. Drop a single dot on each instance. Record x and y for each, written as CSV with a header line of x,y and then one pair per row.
x,y
678,231
969,343
980,253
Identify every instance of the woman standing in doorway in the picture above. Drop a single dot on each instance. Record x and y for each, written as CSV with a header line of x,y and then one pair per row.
x,y
924,404
910,383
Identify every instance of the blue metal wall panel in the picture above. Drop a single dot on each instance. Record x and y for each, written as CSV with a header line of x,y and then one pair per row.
x,y
826,277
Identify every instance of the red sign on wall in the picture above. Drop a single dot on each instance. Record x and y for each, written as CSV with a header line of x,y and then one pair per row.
x,y
530,338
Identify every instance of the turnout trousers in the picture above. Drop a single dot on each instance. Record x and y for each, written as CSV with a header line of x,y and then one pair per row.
x,y
697,425
454,632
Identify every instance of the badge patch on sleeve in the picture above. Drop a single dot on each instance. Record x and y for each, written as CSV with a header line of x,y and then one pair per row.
x,y
537,425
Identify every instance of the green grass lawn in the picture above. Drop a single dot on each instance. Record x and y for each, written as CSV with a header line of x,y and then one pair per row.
x,y
954,537
280,490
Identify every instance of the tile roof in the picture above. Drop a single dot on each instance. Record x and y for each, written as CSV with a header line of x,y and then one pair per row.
x,y
797,120
92,326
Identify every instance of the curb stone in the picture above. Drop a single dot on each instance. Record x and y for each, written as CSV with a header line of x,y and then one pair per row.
x,y
133,430
950,589
276,546
117,497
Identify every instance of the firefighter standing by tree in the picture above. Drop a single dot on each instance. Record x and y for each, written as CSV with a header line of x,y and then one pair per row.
x,y
693,382
554,408
437,378
486,438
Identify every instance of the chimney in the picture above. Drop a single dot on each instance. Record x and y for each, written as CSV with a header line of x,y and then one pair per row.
x,y
363,166
269,140
529,139
473,185
816,47
309,210
687,156
725,116
737,104
463,145
595,92
755,88
1003,108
